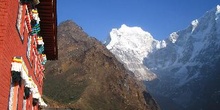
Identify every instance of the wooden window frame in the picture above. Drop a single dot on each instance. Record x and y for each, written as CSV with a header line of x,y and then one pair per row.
x,y
20,22
29,53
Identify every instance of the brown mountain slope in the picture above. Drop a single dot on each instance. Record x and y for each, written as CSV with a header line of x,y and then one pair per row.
x,y
88,77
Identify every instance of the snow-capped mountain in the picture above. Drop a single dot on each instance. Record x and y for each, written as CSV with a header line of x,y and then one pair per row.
x,y
131,45
189,49
181,65
189,63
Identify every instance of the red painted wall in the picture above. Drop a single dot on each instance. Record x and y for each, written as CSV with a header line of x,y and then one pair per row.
x,y
10,46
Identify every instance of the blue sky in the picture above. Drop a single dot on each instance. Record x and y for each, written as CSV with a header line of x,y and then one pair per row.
x,y
159,17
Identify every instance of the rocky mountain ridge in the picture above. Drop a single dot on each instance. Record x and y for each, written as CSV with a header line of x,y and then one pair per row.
x,y
88,77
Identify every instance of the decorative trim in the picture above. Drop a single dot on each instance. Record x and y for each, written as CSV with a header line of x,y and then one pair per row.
x,y
13,97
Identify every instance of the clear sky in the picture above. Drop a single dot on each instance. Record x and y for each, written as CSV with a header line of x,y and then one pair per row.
x,y
159,17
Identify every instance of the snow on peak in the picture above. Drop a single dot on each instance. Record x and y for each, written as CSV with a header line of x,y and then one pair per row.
x,y
217,13
218,9
173,37
129,38
194,24
161,44
132,30
131,45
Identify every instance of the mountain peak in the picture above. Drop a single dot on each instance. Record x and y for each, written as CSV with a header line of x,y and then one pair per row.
x,y
217,13
131,30
130,37
218,8
88,76
173,37
194,24
124,26
184,63
135,43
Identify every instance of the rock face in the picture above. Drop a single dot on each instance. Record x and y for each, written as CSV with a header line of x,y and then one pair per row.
x,y
186,64
87,76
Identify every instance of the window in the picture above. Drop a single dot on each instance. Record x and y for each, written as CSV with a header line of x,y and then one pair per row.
x,y
19,21
29,48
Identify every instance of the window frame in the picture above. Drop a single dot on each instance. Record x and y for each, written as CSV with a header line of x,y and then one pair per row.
x,y
20,21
